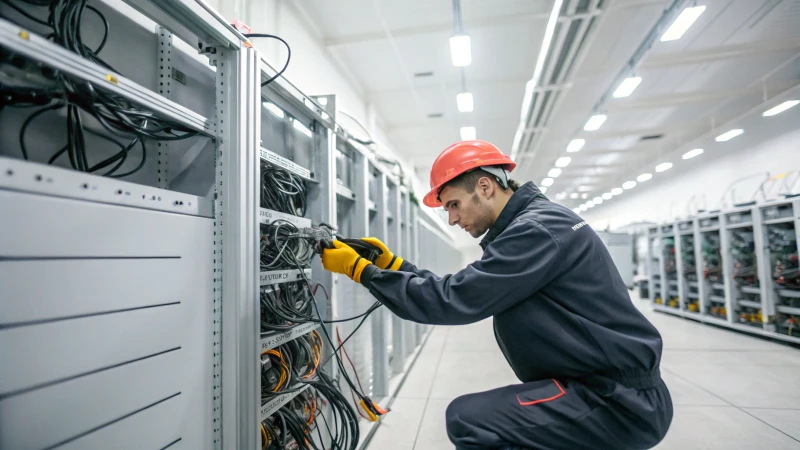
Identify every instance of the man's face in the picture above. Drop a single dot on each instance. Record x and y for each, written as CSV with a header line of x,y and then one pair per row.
x,y
472,212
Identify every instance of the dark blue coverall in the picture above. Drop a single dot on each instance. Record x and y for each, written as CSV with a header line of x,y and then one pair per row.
x,y
588,360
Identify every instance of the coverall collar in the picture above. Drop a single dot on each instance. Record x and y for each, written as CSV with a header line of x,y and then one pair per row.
x,y
518,201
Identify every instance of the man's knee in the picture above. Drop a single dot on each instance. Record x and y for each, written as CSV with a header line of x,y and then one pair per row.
x,y
459,417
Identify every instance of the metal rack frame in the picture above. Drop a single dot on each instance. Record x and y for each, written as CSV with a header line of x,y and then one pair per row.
x,y
758,218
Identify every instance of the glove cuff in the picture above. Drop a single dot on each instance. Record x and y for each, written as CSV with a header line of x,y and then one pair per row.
x,y
358,268
395,263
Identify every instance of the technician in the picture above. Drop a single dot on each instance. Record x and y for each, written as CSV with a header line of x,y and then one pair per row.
x,y
588,360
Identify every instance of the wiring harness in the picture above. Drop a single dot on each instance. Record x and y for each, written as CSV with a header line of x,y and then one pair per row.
x,y
282,191
111,118
284,246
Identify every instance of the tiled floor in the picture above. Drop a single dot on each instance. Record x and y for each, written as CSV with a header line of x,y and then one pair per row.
x,y
730,391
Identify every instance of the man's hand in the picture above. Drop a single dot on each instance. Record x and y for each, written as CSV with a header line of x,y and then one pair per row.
x,y
343,259
387,260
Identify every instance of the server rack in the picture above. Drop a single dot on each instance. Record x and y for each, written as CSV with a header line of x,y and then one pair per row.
x,y
653,265
747,267
143,296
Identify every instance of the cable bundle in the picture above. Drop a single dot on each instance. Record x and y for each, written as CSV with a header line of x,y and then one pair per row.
x,y
126,125
284,246
282,191
284,306
296,361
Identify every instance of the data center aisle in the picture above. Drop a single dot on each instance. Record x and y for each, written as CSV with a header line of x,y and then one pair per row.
x,y
730,391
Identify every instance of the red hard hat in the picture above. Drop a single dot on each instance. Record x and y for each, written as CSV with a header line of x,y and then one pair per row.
x,y
462,157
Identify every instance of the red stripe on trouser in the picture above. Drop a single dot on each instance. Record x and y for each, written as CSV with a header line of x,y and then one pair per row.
x,y
543,400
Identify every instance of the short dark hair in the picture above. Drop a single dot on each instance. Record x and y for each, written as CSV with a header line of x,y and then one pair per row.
x,y
468,181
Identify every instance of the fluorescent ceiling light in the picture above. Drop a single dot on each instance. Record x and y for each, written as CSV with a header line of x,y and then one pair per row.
x,y
547,182
301,128
616,191
584,195
583,207
576,210
554,173
685,20
607,196
729,135
468,133
563,161
274,109
460,50
595,122
597,200
575,145
692,153
644,177
590,203
663,166
543,190
781,108
574,195
627,87
464,101
629,185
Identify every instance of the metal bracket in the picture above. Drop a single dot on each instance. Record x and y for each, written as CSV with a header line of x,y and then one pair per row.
x,y
164,55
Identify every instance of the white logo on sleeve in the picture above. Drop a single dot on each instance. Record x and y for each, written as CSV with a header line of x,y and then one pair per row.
x,y
576,226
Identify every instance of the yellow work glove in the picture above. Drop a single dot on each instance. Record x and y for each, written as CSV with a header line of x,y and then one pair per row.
x,y
387,260
343,259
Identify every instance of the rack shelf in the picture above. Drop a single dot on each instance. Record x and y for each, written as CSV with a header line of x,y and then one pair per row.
x,y
267,216
788,310
344,192
272,277
749,304
750,290
789,293
284,163
716,299
267,409
37,48
271,340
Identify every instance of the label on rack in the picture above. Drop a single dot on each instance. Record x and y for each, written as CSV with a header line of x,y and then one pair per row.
x,y
281,276
277,402
267,216
279,161
274,340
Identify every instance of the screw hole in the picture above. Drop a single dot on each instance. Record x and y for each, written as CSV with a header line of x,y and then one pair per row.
x,y
38,178
9,172
85,185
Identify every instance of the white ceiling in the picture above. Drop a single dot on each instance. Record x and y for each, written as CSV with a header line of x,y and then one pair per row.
x,y
711,75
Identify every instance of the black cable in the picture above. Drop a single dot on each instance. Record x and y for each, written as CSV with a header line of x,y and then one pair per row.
x,y
288,53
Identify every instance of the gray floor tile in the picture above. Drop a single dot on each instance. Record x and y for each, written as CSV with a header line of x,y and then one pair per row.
x,y
419,380
721,427
397,430
433,433
687,394
786,420
746,386
466,372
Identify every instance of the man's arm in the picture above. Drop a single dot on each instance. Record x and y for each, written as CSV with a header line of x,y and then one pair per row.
x,y
522,260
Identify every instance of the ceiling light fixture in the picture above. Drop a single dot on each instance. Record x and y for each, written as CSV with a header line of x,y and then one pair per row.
x,y
584,195
663,166
575,145
607,196
590,203
547,182
543,190
576,210
464,101
563,161
692,153
685,20
629,185
595,122
627,87
583,207
468,133
554,173
644,177
274,109
616,191
724,137
574,195
460,50
597,200
780,108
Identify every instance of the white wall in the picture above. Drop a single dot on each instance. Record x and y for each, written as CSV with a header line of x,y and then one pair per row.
x,y
768,145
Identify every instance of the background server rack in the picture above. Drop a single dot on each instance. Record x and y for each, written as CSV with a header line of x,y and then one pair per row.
x,y
142,296
747,268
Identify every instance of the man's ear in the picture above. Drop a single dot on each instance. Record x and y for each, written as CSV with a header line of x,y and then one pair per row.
x,y
486,187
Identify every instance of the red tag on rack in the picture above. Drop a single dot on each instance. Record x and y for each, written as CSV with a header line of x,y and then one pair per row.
x,y
241,28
